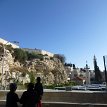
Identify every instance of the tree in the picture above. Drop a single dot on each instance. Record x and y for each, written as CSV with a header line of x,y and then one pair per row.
x,y
32,77
68,64
73,66
98,76
61,57
20,55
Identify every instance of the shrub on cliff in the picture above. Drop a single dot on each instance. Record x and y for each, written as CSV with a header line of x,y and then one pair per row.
x,y
32,77
60,57
33,55
1,49
20,55
9,47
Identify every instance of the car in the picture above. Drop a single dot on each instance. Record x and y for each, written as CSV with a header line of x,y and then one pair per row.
x,y
60,88
78,87
93,87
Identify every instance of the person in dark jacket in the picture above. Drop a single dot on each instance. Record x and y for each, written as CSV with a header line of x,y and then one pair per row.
x,y
12,98
29,98
39,89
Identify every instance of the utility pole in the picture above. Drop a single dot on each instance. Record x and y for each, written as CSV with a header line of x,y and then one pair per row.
x,y
98,76
105,70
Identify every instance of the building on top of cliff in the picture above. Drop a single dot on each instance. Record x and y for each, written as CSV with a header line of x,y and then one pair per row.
x,y
39,51
8,43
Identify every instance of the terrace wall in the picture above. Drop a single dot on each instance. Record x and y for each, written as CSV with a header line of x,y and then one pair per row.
x,y
68,99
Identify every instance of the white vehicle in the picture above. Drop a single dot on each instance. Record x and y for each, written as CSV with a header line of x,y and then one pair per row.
x,y
94,87
78,87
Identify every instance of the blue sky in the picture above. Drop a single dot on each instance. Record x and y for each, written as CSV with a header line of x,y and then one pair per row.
x,y
75,28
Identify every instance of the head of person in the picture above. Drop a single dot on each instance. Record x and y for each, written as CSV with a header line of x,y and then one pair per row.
x,y
13,87
38,79
30,86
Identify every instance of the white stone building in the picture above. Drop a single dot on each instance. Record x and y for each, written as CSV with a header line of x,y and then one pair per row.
x,y
39,51
84,73
8,43
87,78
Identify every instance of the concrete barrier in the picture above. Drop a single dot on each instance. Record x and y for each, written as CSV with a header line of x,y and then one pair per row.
x,y
67,99
76,97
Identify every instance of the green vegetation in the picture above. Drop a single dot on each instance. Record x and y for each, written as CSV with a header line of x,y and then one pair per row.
x,y
24,57
1,49
9,47
98,76
60,57
34,55
51,58
20,55
32,77
52,86
49,86
71,65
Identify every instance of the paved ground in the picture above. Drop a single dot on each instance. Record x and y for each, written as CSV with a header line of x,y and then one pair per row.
x,y
61,98
64,104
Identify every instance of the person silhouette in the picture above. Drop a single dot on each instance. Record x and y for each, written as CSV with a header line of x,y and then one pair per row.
x,y
29,98
12,98
39,89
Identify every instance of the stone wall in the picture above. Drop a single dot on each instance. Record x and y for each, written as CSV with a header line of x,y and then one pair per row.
x,y
76,97
70,97
39,51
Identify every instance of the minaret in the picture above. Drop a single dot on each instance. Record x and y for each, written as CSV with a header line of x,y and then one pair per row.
x,y
87,74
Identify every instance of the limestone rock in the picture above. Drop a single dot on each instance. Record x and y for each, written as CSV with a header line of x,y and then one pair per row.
x,y
51,71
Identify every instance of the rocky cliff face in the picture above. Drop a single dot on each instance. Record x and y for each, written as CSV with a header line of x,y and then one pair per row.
x,y
51,71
